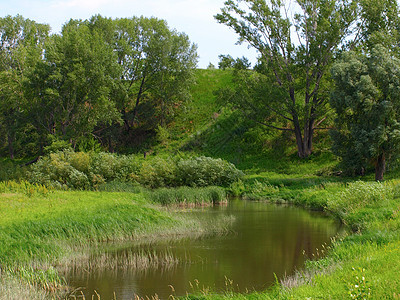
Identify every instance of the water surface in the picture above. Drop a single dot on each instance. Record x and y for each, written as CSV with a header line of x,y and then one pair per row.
x,y
266,240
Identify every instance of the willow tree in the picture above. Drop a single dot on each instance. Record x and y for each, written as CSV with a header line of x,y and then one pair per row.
x,y
296,44
367,102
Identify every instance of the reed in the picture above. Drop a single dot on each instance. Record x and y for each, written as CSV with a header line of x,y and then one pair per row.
x,y
138,260
188,195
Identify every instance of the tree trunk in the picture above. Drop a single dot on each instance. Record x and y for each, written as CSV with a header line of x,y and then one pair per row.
x,y
308,137
380,167
304,144
139,96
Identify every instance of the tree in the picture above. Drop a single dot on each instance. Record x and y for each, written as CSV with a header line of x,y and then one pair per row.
x,y
225,62
379,24
152,57
296,46
21,46
156,65
367,103
71,88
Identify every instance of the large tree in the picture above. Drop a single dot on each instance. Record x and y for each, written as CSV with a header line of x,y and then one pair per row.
x,y
367,102
296,43
156,66
21,46
72,87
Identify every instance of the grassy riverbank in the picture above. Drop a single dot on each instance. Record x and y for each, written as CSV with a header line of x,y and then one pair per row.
x,y
362,265
42,230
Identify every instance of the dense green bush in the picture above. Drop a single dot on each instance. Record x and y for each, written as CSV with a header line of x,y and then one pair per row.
x,y
205,171
158,172
79,170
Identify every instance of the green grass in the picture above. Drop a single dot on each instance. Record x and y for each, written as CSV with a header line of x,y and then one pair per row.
x,y
201,112
29,225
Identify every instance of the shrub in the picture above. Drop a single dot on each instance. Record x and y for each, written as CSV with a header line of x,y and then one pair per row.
x,y
104,164
78,170
53,171
205,171
157,172
78,180
79,160
127,168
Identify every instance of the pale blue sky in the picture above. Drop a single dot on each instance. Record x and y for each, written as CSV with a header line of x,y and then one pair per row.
x,y
194,17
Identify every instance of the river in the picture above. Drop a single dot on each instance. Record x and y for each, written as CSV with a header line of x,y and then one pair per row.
x,y
266,241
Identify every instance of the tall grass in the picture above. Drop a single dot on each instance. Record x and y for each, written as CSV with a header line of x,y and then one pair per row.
x,y
139,260
186,195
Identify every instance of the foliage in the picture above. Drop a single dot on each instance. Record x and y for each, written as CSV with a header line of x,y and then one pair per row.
x,y
290,85
11,170
381,23
21,46
204,171
367,103
156,72
96,82
70,89
80,170
157,172
228,62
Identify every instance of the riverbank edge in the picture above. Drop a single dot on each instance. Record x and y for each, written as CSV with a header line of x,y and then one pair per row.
x,y
362,265
131,218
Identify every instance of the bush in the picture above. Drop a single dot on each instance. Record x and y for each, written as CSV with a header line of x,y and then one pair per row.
x,y
104,164
79,170
206,171
157,172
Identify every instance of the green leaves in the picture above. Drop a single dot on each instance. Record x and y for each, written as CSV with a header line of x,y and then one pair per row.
x,y
92,78
297,43
367,103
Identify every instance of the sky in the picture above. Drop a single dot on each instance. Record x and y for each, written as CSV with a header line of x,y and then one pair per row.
x,y
193,17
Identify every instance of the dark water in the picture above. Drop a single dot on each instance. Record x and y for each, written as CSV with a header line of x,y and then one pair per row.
x,y
266,240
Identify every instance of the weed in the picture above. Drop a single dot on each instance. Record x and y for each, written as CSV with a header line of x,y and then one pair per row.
x,y
359,287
